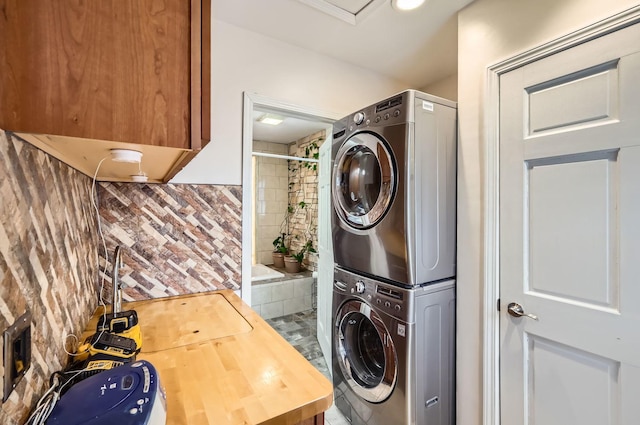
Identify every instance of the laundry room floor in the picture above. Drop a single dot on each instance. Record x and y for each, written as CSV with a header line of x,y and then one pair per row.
x,y
299,329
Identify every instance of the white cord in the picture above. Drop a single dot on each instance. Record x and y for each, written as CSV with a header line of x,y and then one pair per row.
x,y
94,200
48,401
94,203
45,405
72,378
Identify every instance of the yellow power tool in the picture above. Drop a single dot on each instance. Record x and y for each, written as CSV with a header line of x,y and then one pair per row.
x,y
107,343
124,323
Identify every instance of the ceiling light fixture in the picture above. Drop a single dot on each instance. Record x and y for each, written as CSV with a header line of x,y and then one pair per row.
x,y
406,4
270,119
126,155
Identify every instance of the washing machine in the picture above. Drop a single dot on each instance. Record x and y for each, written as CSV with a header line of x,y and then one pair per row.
x,y
394,189
393,351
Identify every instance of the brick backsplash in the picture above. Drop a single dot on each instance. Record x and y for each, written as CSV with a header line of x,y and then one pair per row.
x,y
47,260
178,239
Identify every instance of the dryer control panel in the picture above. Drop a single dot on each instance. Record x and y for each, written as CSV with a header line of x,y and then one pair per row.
x,y
389,112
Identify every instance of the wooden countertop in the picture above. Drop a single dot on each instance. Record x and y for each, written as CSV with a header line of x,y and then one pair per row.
x,y
221,363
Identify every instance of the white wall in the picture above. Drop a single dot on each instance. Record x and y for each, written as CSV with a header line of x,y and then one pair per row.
x,y
447,88
247,61
488,32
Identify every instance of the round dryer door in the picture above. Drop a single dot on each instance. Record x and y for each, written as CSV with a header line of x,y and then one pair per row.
x,y
365,350
364,179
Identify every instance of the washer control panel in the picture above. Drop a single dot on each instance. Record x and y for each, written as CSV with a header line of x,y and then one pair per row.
x,y
393,300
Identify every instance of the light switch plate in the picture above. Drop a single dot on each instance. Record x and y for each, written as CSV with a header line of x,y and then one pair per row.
x,y
17,353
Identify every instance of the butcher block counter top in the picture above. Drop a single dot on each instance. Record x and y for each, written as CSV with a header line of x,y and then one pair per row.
x,y
220,363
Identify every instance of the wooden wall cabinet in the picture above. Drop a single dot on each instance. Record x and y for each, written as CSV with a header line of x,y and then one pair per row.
x,y
81,77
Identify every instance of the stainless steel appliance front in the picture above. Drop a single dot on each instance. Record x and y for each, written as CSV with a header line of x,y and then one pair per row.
x,y
393,351
366,352
393,193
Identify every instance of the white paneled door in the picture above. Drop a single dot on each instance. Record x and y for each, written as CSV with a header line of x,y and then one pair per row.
x,y
570,236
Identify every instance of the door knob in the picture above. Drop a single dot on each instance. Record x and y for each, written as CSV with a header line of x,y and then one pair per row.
x,y
516,310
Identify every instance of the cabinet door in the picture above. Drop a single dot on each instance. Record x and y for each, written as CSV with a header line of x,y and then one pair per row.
x,y
119,70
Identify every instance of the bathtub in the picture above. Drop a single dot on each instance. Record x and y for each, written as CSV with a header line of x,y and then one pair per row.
x,y
262,272
282,296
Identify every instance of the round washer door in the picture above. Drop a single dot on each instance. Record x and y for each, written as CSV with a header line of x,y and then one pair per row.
x,y
364,180
365,350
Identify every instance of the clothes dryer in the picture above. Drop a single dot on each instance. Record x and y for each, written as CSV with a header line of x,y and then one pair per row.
x,y
393,189
393,351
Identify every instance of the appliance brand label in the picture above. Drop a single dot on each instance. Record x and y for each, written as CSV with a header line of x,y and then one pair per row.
x,y
427,106
401,330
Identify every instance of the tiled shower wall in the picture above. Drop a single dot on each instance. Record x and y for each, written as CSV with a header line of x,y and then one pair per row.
x,y
177,239
269,200
279,183
47,260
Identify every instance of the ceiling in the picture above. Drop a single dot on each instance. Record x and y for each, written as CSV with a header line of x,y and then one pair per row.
x,y
290,130
417,48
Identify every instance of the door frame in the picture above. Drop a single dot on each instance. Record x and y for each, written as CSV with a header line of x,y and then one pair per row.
x,y
250,101
324,287
491,279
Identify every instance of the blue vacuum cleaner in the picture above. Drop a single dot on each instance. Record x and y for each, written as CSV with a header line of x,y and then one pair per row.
x,y
126,395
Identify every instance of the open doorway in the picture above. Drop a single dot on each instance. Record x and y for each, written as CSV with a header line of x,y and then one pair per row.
x,y
282,212
284,260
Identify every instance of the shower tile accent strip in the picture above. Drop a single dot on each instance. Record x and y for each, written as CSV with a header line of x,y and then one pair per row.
x,y
178,239
48,241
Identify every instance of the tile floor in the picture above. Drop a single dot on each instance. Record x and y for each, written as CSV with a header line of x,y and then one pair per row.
x,y
299,329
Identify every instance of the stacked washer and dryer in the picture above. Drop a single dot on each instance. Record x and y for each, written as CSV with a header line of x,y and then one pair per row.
x,y
394,225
